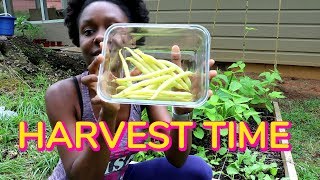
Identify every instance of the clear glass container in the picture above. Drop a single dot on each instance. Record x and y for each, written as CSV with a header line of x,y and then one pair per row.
x,y
140,66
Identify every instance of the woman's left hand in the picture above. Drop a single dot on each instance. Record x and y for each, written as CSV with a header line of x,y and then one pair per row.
x,y
176,58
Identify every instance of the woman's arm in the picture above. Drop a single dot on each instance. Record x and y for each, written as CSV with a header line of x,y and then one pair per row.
x,y
176,157
85,164
61,101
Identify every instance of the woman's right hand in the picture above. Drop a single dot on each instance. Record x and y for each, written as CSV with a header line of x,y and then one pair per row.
x,y
108,110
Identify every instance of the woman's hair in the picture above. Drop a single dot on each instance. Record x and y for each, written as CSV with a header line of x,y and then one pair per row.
x,y
135,10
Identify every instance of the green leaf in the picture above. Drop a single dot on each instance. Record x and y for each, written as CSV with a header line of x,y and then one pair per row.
x,y
240,100
263,158
214,99
257,119
251,28
234,85
223,94
197,113
223,77
269,107
273,171
198,133
222,151
234,65
244,105
253,157
256,100
265,74
273,165
267,177
211,114
228,73
250,112
242,66
253,168
261,175
214,162
252,177
228,104
232,170
238,117
275,95
277,75
239,109
230,94
194,146
224,132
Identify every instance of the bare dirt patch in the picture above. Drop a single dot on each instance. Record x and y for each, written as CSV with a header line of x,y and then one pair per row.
x,y
297,88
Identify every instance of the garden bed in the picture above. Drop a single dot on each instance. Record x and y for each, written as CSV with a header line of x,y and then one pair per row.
x,y
277,164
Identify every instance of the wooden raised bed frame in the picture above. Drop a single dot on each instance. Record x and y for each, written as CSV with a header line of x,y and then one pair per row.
x,y
288,164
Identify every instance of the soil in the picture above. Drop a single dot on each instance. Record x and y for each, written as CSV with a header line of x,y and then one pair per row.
x,y
21,56
297,88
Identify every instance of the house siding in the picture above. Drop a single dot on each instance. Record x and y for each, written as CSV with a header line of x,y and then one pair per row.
x,y
299,28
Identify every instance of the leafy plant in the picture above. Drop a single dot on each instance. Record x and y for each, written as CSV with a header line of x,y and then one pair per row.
x,y
147,155
25,28
236,95
250,166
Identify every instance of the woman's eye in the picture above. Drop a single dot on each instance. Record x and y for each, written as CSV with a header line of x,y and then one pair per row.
x,y
88,32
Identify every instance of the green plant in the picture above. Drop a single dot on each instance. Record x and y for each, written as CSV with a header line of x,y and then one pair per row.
x,y
236,95
201,152
145,156
1,8
250,166
25,28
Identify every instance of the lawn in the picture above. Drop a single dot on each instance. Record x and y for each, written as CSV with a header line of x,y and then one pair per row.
x,y
28,102
305,135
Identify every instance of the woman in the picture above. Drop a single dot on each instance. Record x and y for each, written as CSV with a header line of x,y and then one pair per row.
x,y
75,99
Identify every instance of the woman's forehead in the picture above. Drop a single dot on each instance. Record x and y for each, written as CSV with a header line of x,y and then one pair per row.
x,y
102,9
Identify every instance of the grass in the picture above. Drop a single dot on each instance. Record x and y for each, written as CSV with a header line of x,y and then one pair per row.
x,y
305,135
29,105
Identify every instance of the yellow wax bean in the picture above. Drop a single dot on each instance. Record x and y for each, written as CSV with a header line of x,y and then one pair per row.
x,y
143,83
138,65
179,69
124,64
150,87
139,59
146,76
166,93
151,61
164,98
169,82
119,88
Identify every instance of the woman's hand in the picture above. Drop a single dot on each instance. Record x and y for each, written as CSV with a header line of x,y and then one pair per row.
x,y
176,58
108,109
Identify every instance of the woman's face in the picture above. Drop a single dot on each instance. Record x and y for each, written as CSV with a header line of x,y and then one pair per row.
x,y
93,22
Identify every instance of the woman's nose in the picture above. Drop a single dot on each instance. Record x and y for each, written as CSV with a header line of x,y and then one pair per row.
x,y
99,37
